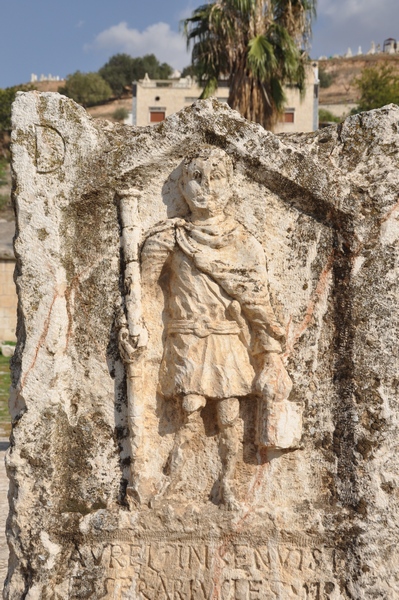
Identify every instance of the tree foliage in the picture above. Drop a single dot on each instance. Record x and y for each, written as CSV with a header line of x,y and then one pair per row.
x,y
325,78
87,89
378,86
189,71
258,44
121,70
3,179
7,97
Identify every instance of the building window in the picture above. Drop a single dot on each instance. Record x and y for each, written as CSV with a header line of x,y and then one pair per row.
x,y
288,116
156,116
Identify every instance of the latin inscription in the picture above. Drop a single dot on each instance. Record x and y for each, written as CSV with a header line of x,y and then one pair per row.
x,y
217,571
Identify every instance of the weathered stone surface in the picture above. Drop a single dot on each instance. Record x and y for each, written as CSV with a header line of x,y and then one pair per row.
x,y
3,509
134,475
7,350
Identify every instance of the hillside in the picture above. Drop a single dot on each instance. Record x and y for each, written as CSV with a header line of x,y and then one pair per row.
x,y
105,111
342,90
48,86
102,111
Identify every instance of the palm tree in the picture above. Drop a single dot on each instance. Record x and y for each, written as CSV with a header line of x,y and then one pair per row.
x,y
258,45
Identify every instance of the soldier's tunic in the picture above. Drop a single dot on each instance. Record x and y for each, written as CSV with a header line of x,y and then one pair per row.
x,y
215,283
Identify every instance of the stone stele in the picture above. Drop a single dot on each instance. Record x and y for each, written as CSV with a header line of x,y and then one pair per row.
x,y
204,393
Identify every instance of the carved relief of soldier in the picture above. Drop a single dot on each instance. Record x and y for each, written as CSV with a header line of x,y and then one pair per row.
x,y
222,339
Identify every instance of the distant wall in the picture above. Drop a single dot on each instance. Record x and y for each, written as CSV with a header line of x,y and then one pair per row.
x,y
8,300
339,110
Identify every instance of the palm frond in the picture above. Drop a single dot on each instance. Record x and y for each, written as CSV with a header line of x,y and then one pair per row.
x,y
277,90
210,88
261,59
256,43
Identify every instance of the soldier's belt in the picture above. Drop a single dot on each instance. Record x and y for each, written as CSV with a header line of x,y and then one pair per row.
x,y
203,329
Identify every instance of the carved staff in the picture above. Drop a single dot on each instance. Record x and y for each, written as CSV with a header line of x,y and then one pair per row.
x,y
133,335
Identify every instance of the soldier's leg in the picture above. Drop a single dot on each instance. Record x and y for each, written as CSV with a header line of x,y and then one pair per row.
x,y
228,411
191,405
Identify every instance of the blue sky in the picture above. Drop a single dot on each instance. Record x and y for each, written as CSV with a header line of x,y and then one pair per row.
x,y
60,37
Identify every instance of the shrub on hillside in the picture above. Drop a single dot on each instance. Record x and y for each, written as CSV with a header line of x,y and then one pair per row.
x,y
325,116
3,167
378,86
120,114
4,201
87,89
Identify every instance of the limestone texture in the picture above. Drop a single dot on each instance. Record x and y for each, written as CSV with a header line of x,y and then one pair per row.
x,y
204,392
7,350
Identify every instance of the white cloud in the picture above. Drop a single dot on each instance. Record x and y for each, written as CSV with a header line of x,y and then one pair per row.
x,y
159,39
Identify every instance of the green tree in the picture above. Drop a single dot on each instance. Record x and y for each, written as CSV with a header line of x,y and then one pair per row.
x,y
121,70
325,78
87,89
378,86
257,44
151,65
7,97
118,73
188,71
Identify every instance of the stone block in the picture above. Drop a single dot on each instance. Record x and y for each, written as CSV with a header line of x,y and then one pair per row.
x,y
186,292
7,350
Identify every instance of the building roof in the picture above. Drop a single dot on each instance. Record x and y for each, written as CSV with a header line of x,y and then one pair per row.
x,y
7,230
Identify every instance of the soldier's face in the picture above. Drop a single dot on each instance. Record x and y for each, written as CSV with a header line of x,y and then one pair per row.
x,y
205,185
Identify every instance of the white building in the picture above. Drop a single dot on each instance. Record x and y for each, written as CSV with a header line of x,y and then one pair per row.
x,y
155,99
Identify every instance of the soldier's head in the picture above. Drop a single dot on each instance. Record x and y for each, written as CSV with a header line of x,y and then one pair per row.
x,y
205,181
